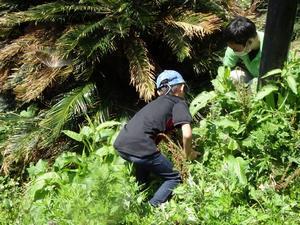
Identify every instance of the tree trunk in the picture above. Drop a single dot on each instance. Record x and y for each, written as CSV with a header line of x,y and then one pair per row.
x,y
278,32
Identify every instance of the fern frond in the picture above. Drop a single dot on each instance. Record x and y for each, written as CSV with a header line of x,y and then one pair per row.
x,y
141,68
179,44
74,103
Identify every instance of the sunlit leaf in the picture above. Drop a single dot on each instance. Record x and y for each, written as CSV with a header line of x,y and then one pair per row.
x,y
237,166
265,91
73,135
292,84
201,101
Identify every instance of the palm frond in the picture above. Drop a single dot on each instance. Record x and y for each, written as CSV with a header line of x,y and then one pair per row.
x,y
81,38
21,137
83,68
35,83
177,41
206,63
74,103
196,24
10,56
105,45
18,148
218,7
141,68
8,5
27,69
7,57
50,12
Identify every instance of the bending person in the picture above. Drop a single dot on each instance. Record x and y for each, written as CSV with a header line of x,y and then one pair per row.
x,y
244,47
137,141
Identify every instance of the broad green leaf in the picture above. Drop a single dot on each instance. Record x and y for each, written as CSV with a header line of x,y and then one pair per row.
x,y
292,84
223,73
271,73
51,176
265,91
66,159
39,168
107,124
36,189
218,85
248,142
105,133
225,123
86,131
26,114
201,101
75,136
237,166
233,145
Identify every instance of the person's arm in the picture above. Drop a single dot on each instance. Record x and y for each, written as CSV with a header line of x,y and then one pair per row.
x,y
187,142
230,59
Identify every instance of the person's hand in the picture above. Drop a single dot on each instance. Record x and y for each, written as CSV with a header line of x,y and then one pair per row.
x,y
193,155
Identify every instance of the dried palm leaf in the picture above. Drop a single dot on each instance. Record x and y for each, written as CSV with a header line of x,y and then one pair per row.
x,y
141,69
29,66
35,83
196,24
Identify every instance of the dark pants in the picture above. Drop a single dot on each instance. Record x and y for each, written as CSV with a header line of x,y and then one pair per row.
x,y
160,166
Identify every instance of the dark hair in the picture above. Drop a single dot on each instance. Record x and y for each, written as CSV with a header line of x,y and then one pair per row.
x,y
239,30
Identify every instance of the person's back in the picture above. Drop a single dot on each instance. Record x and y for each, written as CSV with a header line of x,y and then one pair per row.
x,y
159,116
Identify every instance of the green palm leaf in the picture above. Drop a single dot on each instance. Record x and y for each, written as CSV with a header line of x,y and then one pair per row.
x,y
51,12
105,45
176,40
79,37
74,103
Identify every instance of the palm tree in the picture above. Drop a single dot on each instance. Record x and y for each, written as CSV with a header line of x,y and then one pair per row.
x,y
71,38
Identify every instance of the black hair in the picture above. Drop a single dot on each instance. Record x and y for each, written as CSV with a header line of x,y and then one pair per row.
x,y
239,30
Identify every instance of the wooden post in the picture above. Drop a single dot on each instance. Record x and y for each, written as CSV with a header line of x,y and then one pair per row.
x,y
278,32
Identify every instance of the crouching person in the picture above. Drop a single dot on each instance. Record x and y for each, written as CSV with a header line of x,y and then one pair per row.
x,y
137,141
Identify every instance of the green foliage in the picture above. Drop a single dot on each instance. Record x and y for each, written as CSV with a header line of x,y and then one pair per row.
x,y
23,135
248,172
10,198
19,137
75,103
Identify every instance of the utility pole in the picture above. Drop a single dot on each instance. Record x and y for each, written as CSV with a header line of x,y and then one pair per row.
x,y
278,33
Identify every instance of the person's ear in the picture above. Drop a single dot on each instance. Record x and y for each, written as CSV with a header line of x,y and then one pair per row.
x,y
182,87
